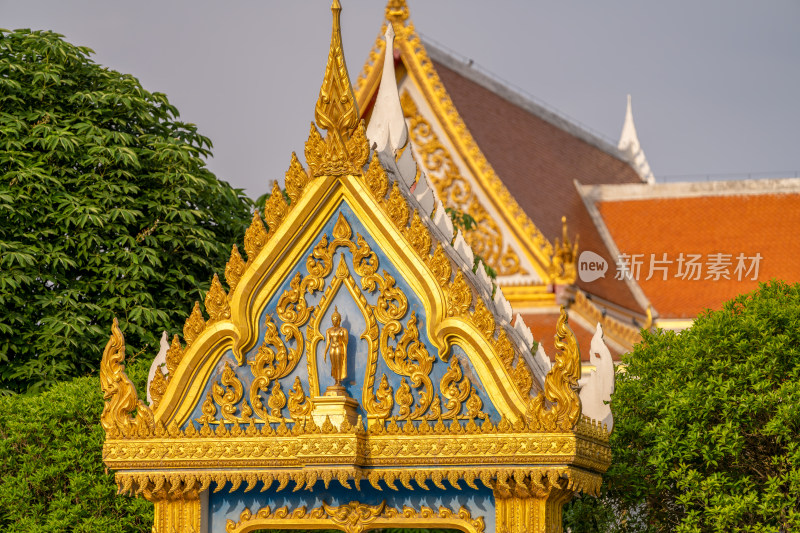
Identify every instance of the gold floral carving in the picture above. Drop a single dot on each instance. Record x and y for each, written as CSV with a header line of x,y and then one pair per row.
x,y
217,304
376,178
296,180
234,269
299,405
277,400
460,296
255,237
440,265
558,408
562,269
397,207
455,388
121,400
174,356
228,392
483,319
275,209
486,238
419,236
356,517
194,325
345,148
158,386
409,358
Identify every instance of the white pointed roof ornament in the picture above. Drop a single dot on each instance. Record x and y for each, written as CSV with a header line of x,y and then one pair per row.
x,y
387,127
629,145
597,388
159,361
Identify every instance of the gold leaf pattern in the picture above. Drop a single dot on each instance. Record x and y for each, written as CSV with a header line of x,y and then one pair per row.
x,y
296,179
419,236
217,304
404,400
397,207
460,296
455,388
275,209
157,387
234,269
174,356
483,319
277,400
440,265
194,325
228,392
299,405
255,237
376,178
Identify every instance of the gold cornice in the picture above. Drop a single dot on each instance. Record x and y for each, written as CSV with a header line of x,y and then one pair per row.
x,y
613,329
424,76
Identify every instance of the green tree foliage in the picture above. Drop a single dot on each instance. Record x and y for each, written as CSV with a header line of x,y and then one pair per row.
x,y
52,477
106,208
707,425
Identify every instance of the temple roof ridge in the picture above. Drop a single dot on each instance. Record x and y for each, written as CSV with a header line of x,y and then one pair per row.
x,y
518,97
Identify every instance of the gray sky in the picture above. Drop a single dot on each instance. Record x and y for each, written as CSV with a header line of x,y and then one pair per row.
x,y
714,83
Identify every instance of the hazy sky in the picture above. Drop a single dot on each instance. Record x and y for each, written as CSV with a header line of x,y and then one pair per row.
x,y
714,83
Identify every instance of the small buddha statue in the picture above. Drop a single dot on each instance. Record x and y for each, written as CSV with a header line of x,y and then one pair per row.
x,y
336,344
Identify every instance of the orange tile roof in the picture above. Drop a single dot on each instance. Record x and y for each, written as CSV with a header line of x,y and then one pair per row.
x,y
751,224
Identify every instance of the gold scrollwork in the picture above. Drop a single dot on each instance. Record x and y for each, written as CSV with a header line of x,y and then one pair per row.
x,y
174,356
234,269
455,191
119,393
345,148
455,388
564,408
194,325
255,237
275,209
217,304
228,392
296,179
299,405
460,296
356,517
409,358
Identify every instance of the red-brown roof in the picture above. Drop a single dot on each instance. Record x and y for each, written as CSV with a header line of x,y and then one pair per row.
x,y
750,225
538,163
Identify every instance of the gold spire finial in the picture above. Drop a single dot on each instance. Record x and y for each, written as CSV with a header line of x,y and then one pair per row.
x,y
565,255
396,11
345,148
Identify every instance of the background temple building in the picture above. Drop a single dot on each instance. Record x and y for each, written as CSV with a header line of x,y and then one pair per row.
x,y
544,190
